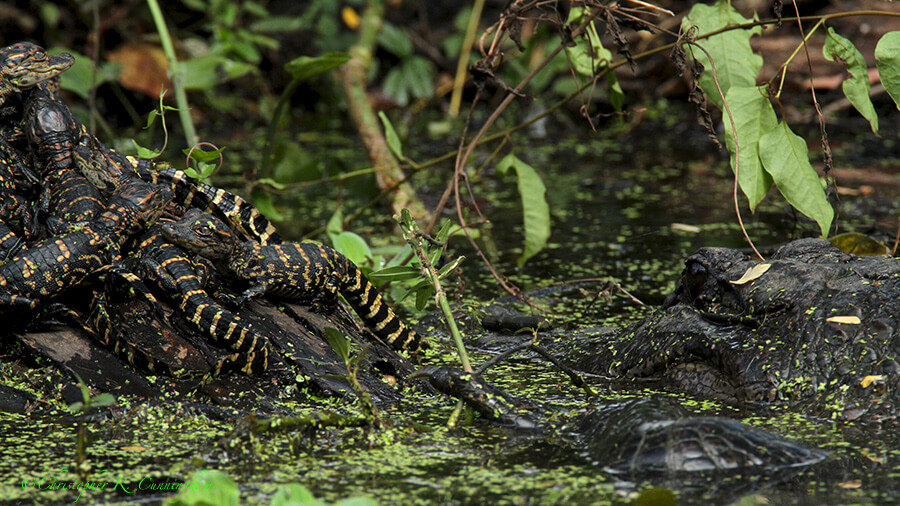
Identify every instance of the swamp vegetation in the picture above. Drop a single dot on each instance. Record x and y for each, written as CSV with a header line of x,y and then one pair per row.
x,y
575,179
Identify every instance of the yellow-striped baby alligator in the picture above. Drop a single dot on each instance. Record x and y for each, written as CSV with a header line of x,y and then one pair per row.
x,y
184,280
294,271
107,169
60,262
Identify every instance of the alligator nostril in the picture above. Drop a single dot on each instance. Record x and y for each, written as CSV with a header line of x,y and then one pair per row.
x,y
696,269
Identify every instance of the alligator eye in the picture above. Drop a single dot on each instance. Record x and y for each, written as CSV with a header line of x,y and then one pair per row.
x,y
203,230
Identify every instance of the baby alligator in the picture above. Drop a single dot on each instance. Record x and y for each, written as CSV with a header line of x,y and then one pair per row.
x,y
294,271
178,276
23,65
60,262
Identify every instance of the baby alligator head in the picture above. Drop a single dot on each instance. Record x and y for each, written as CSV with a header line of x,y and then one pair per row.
x,y
23,65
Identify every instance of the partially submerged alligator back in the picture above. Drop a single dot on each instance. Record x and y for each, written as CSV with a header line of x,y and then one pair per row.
x,y
643,435
295,271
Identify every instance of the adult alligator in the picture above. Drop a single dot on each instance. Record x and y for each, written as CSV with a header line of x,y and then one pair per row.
x,y
642,437
812,327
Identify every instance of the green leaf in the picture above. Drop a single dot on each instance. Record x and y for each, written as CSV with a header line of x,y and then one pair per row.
x,y
736,63
81,77
588,54
305,67
616,94
201,155
151,117
205,72
203,171
353,247
443,232
753,115
395,40
535,210
887,57
271,182
338,343
449,268
145,153
294,494
395,273
335,224
263,201
856,87
785,156
395,86
104,399
422,296
421,285
418,76
208,487
391,136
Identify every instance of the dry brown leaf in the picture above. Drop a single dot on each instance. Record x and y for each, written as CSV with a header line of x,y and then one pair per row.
x,y
752,273
144,68
849,320
684,227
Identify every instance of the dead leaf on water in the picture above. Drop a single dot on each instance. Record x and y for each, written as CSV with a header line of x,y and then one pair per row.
x,y
849,320
752,273
134,448
868,380
684,227
859,244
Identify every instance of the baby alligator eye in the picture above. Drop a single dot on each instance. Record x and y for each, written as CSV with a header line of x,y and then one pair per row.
x,y
202,229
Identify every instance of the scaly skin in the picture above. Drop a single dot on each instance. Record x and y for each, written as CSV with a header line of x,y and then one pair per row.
x,y
295,271
107,169
53,132
58,263
23,65
177,275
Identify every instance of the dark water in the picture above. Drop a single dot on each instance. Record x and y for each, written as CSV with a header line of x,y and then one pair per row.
x,y
629,209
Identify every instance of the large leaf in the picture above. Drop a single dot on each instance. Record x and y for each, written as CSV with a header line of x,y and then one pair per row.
x,y
736,63
753,115
352,246
784,155
535,210
306,67
587,54
205,72
81,77
887,57
219,489
856,87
